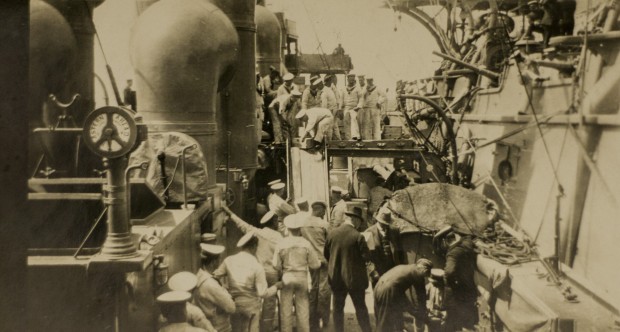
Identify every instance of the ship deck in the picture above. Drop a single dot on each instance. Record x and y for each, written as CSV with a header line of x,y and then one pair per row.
x,y
529,301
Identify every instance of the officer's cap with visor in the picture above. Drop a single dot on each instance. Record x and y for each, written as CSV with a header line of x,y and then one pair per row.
x,y
247,240
277,186
174,297
267,217
183,281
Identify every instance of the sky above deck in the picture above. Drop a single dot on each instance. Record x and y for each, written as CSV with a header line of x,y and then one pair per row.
x,y
365,28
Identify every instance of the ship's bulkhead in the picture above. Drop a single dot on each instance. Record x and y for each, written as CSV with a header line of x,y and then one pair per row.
x,y
566,179
195,72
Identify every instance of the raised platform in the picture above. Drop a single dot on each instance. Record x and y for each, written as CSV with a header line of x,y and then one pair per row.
x,y
526,301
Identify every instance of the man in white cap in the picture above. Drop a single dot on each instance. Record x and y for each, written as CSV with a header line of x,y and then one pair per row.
x,y
311,97
214,300
338,206
287,87
260,103
361,82
370,117
278,109
173,307
277,204
293,257
352,101
383,241
268,238
330,101
411,89
319,124
291,124
272,182
315,231
337,92
185,282
303,208
272,82
247,284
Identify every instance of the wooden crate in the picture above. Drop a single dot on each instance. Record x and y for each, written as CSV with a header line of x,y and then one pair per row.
x,y
392,132
307,143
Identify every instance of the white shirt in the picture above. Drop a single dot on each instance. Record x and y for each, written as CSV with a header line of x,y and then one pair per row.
x,y
352,98
328,99
284,90
315,115
295,254
279,206
245,275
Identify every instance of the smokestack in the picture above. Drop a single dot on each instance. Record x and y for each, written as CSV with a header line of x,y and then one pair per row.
x,y
239,98
183,52
268,40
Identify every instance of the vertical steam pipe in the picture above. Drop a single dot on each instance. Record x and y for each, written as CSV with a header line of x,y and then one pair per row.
x,y
238,101
240,106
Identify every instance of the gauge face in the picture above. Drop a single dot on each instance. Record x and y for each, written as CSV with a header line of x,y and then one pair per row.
x,y
95,130
110,131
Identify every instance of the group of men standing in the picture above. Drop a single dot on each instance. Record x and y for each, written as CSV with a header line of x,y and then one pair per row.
x,y
310,262
321,109
422,87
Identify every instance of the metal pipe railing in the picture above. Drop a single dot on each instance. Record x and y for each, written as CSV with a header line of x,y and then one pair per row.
x,y
185,149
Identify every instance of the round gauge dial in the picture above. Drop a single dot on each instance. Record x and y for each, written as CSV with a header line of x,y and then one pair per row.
x,y
110,131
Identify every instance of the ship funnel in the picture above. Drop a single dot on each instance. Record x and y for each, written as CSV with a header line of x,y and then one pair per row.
x,y
268,40
52,51
239,98
143,5
183,53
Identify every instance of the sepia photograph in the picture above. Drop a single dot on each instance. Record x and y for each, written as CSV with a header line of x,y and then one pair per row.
x,y
310,165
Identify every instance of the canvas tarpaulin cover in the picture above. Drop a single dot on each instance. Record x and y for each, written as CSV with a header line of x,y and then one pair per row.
x,y
172,144
432,206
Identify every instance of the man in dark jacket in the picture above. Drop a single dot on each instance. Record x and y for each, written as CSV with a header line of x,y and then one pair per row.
x,y
461,291
383,242
347,255
391,299
129,96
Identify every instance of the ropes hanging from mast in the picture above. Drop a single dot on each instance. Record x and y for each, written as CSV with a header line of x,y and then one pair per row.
x,y
316,35
117,94
554,167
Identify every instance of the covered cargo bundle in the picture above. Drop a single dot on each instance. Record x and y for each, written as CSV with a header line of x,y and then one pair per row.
x,y
431,206
172,145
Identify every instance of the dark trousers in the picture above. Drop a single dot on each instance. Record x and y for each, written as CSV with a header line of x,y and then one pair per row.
x,y
461,315
357,296
389,318
320,296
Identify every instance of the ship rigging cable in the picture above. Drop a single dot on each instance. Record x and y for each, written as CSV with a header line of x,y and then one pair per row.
x,y
117,95
316,35
538,124
549,195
